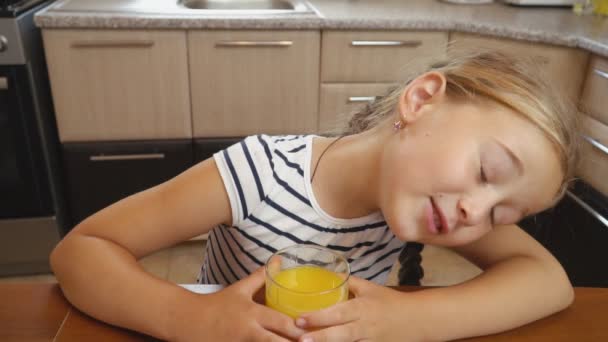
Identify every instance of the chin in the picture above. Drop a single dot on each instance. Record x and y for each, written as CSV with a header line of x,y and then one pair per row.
x,y
403,232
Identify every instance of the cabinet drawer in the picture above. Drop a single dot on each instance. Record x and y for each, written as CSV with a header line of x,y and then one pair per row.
x,y
340,99
101,173
377,56
595,93
594,159
119,85
564,67
247,82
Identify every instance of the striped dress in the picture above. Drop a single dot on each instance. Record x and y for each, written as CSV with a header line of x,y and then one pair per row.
x,y
267,179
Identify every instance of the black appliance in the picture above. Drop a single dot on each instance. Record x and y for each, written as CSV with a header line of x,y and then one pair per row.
x,y
31,210
575,231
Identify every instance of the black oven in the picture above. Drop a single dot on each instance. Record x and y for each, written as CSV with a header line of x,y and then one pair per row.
x,y
24,186
576,233
32,215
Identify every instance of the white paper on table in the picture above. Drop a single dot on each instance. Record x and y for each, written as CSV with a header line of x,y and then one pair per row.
x,y
202,289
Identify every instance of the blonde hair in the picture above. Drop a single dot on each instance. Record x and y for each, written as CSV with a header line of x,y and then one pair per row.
x,y
515,83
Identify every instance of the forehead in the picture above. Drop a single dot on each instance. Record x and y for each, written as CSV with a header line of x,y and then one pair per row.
x,y
542,175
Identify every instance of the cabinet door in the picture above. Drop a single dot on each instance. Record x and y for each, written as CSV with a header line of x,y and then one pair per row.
x,y
378,56
247,82
101,173
595,93
205,148
564,67
593,166
338,100
119,85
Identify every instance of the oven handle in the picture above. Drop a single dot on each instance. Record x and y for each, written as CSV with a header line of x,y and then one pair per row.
x,y
596,144
3,83
588,208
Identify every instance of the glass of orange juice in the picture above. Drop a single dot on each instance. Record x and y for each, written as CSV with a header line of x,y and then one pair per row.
x,y
305,278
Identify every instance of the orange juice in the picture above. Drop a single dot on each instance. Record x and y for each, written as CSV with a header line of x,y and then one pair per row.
x,y
301,289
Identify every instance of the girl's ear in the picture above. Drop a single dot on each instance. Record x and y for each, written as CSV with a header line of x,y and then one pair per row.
x,y
423,90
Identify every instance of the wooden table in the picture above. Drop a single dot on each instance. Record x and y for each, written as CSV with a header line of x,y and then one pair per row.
x,y
39,312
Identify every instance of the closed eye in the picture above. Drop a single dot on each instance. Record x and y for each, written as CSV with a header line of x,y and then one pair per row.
x,y
484,179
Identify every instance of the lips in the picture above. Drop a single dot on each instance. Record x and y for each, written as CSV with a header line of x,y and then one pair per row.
x,y
438,219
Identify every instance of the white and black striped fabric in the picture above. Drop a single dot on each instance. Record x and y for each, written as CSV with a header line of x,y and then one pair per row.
x,y
267,179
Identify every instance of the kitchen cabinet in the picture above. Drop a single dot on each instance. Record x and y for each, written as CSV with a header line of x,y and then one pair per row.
x,y
338,100
595,92
378,56
357,66
564,67
100,173
119,84
593,167
248,82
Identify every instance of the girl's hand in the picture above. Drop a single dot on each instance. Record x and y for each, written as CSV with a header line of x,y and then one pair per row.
x,y
377,313
232,315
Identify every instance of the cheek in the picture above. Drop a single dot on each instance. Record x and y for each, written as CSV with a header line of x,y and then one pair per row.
x,y
466,235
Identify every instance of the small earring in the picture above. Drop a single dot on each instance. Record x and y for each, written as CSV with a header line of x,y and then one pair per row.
x,y
397,125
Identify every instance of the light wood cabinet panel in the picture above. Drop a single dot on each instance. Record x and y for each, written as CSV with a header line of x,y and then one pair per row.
x,y
338,100
594,161
246,82
595,92
565,67
378,56
119,85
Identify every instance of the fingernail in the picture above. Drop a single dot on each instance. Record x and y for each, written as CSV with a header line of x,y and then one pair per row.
x,y
307,339
301,322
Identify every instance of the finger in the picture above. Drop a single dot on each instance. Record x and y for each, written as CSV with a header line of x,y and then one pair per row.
x,y
268,336
279,323
253,282
357,286
340,313
346,332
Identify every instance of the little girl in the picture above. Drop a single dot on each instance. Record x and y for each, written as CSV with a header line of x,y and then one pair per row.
x,y
455,157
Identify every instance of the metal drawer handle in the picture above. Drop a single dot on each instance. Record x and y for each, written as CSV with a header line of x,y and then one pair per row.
x,y
596,144
113,44
113,157
407,43
361,98
601,73
3,83
588,208
249,43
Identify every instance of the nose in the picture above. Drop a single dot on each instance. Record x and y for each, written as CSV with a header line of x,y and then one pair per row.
x,y
474,210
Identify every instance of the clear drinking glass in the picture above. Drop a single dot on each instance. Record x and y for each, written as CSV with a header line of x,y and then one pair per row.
x,y
305,278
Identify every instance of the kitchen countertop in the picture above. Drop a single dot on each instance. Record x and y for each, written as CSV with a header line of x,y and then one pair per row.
x,y
557,26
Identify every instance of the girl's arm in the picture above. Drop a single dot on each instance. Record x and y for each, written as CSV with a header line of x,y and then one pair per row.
x,y
96,263
521,282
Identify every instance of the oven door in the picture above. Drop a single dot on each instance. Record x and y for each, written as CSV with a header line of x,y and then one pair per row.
x,y
576,233
24,183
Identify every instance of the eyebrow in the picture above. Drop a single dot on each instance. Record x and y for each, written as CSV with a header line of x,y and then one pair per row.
x,y
514,159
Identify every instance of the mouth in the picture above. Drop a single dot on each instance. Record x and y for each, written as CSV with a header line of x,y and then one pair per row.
x,y
437,219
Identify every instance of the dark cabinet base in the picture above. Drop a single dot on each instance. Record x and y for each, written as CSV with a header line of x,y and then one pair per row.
x,y
98,174
204,148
